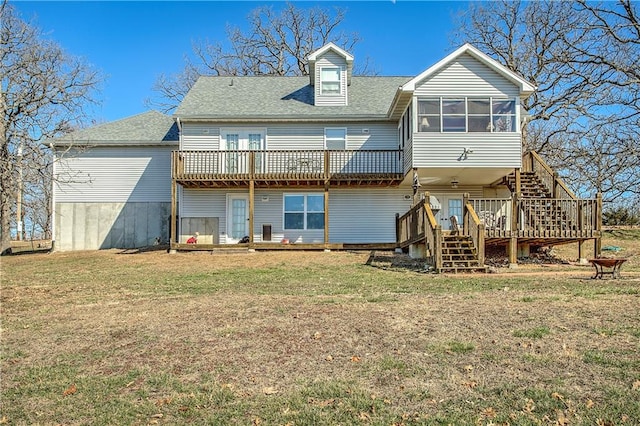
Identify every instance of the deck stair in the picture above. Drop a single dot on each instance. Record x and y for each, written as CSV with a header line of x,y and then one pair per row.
x,y
459,255
530,185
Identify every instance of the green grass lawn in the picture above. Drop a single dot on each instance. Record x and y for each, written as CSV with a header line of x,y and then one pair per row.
x,y
311,338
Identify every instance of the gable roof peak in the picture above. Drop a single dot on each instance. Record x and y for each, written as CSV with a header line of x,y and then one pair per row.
x,y
526,88
330,46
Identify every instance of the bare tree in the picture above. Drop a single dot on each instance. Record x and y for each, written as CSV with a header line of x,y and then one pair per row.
x,y
583,57
276,43
43,92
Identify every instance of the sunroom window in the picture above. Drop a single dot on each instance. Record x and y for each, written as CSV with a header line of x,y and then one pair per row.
x,y
466,115
330,81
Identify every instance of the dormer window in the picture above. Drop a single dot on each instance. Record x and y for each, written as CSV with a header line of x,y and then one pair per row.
x,y
330,81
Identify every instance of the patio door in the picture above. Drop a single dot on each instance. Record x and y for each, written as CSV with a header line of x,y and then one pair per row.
x,y
237,142
237,217
451,205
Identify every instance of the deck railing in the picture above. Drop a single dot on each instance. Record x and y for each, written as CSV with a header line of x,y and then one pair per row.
x,y
538,217
285,164
474,227
420,224
532,162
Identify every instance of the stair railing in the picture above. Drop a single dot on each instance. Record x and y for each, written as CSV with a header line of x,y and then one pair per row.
x,y
474,228
419,225
533,162
433,235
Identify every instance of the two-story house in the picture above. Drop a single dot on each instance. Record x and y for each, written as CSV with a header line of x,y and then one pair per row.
x,y
432,163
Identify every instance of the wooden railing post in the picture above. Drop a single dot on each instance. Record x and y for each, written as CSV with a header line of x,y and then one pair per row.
x,y
252,165
437,250
513,241
597,249
398,228
327,166
465,214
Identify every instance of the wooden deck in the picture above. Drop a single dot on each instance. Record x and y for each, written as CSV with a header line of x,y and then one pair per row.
x,y
276,168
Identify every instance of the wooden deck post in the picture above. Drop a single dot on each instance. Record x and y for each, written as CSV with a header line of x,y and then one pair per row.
x,y
518,181
251,208
597,244
174,211
465,214
513,241
326,215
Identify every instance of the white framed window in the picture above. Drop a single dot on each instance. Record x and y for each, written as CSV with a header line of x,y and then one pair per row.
x,y
489,115
335,138
503,115
429,115
303,211
330,81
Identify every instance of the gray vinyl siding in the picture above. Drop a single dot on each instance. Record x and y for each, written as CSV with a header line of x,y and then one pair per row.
x,y
355,215
293,136
206,203
197,136
501,150
330,59
366,215
114,174
474,191
467,76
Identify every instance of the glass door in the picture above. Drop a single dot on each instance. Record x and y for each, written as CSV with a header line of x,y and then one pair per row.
x,y
237,142
454,206
451,205
237,218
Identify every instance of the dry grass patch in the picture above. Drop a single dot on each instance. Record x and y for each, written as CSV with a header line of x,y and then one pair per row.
x,y
311,338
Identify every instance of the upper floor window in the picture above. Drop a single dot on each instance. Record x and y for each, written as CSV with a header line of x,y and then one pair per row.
x,y
335,138
466,115
330,81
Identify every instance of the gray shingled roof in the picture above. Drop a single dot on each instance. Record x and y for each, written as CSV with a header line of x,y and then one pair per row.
x,y
142,129
267,97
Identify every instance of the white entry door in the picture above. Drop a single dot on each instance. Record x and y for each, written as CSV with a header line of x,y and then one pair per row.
x,y
451,205
237,218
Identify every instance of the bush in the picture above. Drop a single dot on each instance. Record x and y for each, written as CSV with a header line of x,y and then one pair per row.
x,y
620,216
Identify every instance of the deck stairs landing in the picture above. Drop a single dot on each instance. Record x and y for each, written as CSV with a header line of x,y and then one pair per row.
x,y
459,255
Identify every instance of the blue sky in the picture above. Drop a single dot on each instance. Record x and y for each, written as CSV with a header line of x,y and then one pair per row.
x,y
134,42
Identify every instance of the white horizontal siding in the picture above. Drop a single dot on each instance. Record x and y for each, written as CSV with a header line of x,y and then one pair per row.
x,y
197,136
112,175
466,76
366,215
498,150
